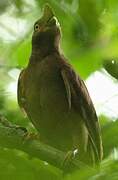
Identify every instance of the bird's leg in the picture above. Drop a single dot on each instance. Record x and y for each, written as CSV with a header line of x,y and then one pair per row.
x,y
68,158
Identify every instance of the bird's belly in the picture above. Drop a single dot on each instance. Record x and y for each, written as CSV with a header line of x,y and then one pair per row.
x,y
51,108
49,111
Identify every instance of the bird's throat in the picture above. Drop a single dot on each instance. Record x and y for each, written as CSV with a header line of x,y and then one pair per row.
x,y
42,47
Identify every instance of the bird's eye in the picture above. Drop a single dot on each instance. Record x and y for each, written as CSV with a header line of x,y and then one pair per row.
x,y
36,27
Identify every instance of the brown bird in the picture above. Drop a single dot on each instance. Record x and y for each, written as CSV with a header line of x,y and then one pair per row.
x,y
55,98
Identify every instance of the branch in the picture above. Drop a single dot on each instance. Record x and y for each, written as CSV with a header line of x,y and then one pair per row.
x,y
14,137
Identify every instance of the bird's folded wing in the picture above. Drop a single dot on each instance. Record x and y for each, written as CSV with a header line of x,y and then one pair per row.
x,y
78,97
20,93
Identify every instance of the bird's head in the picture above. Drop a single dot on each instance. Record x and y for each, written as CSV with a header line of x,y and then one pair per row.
x,y
46,30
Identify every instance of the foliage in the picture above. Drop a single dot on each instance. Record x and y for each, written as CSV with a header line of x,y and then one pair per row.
x,y
89,41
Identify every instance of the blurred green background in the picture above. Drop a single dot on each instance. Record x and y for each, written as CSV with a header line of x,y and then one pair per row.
x,y
90,42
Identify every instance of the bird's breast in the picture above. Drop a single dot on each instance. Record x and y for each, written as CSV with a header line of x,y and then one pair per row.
x,y
47,107
46,95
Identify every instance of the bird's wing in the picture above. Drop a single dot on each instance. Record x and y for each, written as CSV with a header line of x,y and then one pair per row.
x,y
21,93
78,97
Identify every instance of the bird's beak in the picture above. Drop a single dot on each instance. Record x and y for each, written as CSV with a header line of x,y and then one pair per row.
x,y
48,12
47,15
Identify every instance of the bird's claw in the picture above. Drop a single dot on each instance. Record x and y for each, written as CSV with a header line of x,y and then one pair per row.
x,y
70,155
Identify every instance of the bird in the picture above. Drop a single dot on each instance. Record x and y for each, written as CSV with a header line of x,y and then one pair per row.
x,y
54,96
